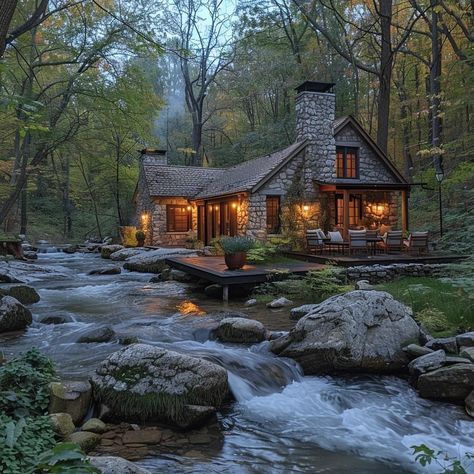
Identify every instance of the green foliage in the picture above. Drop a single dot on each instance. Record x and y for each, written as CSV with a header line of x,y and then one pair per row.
x,y
232,245
448,464
140,235
262,252
65,458
432,319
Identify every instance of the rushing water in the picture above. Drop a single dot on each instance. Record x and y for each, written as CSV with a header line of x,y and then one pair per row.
x,y
281,421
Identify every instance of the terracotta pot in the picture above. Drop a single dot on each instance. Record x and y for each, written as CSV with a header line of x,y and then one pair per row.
x,y
140,243
236,260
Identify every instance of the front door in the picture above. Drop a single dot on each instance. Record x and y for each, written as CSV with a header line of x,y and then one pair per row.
x,y
355,210
217,219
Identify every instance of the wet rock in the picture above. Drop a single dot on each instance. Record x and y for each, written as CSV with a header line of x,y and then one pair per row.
x,y
123,254
240,330
300,311
279,303
469,404
30,255
359,331
467,352
465,340
70,397
94,425
101,334
127,340
213,291
107,250
7,278
454,382
156,279
85,439
62,424
195,415
250,302
414,350
273,335
144,382
182,277
143,437
56,319
116,465
450,360
106,271
154,261
448,344
13,315
23,293
427,362
364,285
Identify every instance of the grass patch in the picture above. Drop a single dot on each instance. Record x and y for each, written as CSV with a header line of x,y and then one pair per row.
x,y
442,307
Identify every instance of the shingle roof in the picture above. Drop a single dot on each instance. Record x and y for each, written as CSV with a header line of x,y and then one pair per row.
x,y
185,181
199,183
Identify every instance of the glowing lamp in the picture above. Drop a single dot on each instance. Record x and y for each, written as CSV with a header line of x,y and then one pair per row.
x,y
234,205
306,208
188,208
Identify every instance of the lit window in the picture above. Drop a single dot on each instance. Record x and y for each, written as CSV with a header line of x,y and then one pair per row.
x,y
347,165
355,210
273,214
178,218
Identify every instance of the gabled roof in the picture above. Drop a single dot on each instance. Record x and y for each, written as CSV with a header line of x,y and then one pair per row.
x,y
251,174
183,181
341,122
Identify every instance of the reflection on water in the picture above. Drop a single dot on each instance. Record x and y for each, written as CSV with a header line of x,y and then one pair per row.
x,y
281,421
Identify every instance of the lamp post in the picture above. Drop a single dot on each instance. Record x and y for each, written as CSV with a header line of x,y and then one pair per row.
x,y
439,178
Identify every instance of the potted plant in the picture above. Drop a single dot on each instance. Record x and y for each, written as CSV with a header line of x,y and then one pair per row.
x,y
235,251
140,236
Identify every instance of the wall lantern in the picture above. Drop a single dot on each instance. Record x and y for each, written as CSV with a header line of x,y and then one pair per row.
x,y
189,208
380,209
234,205
305,208
144,218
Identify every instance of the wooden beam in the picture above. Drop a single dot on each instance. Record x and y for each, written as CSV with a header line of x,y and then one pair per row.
x,y
345,195
404,211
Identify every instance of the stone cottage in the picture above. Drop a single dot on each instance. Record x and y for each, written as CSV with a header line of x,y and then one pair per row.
x,y
334,175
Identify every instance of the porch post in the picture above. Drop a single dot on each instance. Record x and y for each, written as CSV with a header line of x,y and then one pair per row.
x,y
345,196
404,211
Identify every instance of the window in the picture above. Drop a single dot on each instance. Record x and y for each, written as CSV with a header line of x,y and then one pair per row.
x,y
355,209
347,165
273,214
178,219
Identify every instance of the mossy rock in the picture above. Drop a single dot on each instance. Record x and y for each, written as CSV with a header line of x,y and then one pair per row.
x,y
62,423
85,439
23,293
94,425
107,250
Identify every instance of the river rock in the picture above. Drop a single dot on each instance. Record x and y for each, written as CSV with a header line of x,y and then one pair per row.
x,y
56,319
23,293
279,303
448,344
467,352
116,465
86,440
466,339
107,250
13,315
469,403
62,424
250,302
414,350
101,334
106,271
144,382
450,360
364,285
359,331
70,397
427,362
453,382
123,254
8,278
240,330
94,425
300,311
30,255
153,261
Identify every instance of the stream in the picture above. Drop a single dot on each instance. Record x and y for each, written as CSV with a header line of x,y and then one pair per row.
x,y
281,421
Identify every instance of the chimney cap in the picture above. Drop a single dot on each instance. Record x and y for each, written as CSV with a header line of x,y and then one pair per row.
x,y
315,86
153,151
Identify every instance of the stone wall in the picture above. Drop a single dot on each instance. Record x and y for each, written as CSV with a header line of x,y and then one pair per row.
x,y
382,273
371,168
314,122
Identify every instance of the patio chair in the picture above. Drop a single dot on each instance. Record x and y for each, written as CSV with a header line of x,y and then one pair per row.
x,y
357,241
392,240
417,243
336,240
373,240
315,240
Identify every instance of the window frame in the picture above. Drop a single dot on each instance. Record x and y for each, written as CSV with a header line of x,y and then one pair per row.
x,y
344,150
276,227
171,218
356,209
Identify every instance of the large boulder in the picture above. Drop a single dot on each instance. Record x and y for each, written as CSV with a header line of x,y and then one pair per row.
x,y
123,254
454,382
99,334
23,293
154,260
470,404
241,330
115,465
70,397
13,315
427,363
300,311
357,331
107,250
144,382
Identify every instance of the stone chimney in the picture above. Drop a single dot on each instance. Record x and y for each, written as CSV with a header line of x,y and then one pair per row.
x,y
315,109
154,156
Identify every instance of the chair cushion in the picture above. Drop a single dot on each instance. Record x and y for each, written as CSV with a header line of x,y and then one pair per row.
x,y
320,233
335,236
385,228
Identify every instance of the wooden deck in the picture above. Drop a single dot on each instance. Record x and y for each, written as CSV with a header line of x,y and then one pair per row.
x,y
214,269
381,259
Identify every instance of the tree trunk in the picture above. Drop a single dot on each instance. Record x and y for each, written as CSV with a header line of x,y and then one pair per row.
x,y
386,64
24,209
6,14
197,138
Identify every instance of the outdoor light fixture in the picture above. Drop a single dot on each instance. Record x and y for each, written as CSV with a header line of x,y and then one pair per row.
x,y
189,208
144,218
234,205
306,208
439,176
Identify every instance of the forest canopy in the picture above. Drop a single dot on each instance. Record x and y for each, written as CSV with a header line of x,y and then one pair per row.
x,y
86,84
